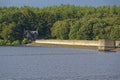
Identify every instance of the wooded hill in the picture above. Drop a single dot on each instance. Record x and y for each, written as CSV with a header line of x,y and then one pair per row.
x,y
61,22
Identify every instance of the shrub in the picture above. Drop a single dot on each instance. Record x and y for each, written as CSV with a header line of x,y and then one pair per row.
x,y
25,41
16,43
8,43
2,42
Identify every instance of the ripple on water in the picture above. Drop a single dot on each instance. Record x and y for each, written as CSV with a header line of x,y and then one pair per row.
x,y
95,77
44,63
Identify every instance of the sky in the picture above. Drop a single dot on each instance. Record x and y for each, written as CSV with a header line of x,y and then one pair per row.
x,y
47,3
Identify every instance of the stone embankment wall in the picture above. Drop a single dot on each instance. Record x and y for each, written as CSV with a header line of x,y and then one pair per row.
x,y
106,45
69,42
117,44
103,45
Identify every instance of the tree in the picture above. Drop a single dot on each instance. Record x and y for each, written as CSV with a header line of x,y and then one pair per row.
x,y
61,22
12,32
115,32
7,32
74,29
60,30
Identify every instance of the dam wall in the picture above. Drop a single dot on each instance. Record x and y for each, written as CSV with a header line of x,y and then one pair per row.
x,y
106,45
117,44
103,45
69,42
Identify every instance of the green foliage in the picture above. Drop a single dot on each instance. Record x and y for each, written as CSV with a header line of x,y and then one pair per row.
x,y
2,42
60,22
25,41
61,29
11,32
74,29
7,32
15,43
9,43
115,33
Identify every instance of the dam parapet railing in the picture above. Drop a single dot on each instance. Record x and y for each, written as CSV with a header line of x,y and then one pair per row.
x,y
103,45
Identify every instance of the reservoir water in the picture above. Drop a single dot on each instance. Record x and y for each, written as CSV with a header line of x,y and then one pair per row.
x,y
52,63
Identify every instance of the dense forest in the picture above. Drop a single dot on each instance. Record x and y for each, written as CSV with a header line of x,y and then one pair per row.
x,y
59,22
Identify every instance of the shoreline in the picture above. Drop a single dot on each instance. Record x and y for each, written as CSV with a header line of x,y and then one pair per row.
x,y
67,46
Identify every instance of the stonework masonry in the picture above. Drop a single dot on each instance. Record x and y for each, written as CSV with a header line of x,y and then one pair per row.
x,y
103,45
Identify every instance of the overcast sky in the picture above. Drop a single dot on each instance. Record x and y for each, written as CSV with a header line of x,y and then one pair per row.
x,y
45,3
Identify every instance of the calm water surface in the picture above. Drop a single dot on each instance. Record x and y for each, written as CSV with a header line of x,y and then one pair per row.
x,y
50,63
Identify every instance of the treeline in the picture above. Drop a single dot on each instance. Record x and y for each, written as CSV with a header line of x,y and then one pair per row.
x,y
60,22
